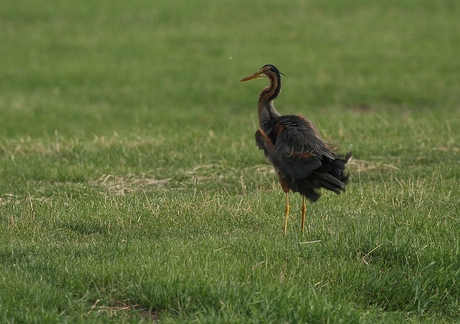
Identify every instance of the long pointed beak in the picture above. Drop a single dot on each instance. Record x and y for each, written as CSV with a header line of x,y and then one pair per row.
x,y
256,75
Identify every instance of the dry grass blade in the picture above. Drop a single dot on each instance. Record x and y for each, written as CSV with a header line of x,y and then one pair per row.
x,y
356,165
122,185
123,307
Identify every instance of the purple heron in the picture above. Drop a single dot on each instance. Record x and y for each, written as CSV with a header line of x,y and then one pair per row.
x,y
293,145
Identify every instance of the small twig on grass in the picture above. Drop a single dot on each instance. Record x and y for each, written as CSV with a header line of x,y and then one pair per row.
x,y
310,242
368,253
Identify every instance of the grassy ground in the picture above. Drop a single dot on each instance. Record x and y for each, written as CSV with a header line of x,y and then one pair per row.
x,y
131,188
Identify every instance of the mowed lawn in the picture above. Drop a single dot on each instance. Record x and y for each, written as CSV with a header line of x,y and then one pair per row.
x,y
131,188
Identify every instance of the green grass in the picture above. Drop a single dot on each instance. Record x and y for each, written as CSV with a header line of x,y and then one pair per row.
x,y
131,188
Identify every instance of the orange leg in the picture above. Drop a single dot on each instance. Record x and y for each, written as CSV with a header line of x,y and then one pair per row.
x,y
287,212
304,209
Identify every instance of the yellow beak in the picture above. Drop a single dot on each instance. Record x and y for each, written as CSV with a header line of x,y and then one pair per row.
x,y
258,74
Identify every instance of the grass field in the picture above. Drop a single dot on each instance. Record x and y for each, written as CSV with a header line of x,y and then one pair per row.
x,y
131,189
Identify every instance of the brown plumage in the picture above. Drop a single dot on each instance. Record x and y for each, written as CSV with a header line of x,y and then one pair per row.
x,y
303,161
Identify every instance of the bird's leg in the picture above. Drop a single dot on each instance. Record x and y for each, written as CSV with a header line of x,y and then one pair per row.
x,y
287,212
304,209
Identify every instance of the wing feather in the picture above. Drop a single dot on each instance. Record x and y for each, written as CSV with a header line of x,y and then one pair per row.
x,y
298,148
304,162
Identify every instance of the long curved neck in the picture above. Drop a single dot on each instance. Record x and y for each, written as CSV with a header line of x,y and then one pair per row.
x,y
267,111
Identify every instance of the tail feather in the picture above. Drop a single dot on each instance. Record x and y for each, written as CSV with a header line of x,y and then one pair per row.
x,y
328,181
308,190
329,176
337,166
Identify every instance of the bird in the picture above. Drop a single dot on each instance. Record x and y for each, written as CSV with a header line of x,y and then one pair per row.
x,y
303,161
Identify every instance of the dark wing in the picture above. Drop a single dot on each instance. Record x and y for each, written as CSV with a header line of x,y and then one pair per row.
x,y
299,147
304,160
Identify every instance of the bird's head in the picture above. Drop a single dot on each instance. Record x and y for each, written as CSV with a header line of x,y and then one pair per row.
x,y
263,72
